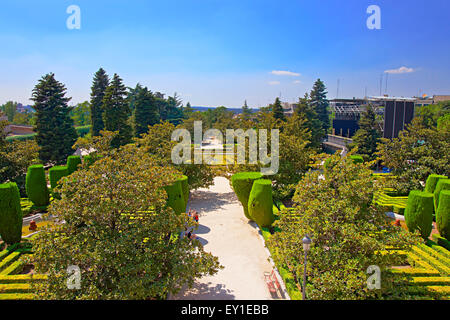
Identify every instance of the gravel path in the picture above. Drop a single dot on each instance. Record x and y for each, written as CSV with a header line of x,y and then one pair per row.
x,y
226,233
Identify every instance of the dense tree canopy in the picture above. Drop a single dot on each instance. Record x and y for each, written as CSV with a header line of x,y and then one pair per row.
x,y
145,111
368,134
98,89
318,97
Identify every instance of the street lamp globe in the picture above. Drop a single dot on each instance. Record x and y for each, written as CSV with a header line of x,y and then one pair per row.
x,y
306,243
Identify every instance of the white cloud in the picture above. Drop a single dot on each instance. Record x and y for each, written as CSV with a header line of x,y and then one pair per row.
x,y
274,83
285,73
296,82
400,70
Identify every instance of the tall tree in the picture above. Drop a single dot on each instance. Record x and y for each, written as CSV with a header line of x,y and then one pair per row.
x,y
246,112
187,110
368,134
145,111
116,111
277,110
319,101
99,85
305,111
54,127
10,110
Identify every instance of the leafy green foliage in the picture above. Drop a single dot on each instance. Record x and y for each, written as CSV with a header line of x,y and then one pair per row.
x,y
432,181
81,114
56,173
72,163
54,127
419,212
310,119
10,213
242,184
320,103
443,184
36,185
277,110
145,111
368,134
260,203
349,232
98,89
119,232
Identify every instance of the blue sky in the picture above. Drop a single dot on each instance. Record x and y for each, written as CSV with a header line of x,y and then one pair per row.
x,y
224,52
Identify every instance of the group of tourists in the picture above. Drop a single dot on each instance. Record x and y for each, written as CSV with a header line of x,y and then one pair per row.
x,y
193,214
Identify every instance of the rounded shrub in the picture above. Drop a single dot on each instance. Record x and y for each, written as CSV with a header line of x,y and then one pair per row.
x,y
88,159
10,213
72,163
419,212
443,184
175,197
36,185
432,181
443,214
185,188
242,184
260,203
356,158
56,173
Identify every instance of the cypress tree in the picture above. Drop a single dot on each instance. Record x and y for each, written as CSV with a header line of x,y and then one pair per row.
x,y
115,112
305,111
54,129
368,134
246,112
99,85
145,111
188,110
319,101
277,110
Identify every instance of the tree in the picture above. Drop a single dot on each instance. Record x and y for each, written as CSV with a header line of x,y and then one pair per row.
x,y
277,110
98,89
319,101
188,110
368,134
246,112
81,114
416,153
54,129
23,118
145,111
348,233
311,121
10,109
116,111
120,233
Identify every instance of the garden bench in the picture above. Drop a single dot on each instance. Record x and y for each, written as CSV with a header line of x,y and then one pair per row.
x,y
272,282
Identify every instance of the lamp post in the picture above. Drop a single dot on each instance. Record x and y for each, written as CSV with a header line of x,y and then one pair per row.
x,y
306,245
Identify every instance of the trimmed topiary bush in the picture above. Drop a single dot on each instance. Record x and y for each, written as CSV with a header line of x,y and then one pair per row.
x,y
432,181
87,159
36,185
242,184
56,173
419,212
72,163
175,197
260,203
185,188
443,184
357,158
10,213
443,214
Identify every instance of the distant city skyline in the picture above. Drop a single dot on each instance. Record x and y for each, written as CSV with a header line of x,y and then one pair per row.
x,y
215,53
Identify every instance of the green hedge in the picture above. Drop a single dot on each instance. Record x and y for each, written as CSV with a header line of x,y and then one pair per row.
x,y
260,203
72,163
441,241
175,197
432,181
83,130
23,137
185,188
242,184
443,214
443,184
419,212
56,173
10,213
356,158
36,185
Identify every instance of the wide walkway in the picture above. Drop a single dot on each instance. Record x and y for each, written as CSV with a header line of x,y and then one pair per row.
x,y
227,234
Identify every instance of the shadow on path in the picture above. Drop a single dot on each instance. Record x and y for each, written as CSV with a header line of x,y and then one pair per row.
x,y
208,291
208,201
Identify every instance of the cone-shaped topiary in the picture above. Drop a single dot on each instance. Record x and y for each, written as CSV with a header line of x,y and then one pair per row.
x,y
260,203
175,197
357,158
242,183
72,163
419,212
10,213
443,214
56,173
443,184
36,185
185,188
432,181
